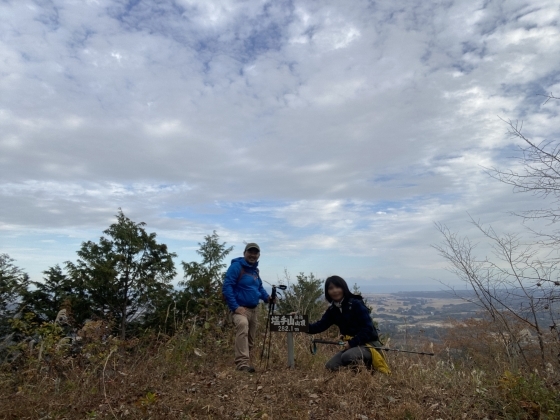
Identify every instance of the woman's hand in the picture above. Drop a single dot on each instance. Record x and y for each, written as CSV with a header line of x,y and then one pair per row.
x,y
240,310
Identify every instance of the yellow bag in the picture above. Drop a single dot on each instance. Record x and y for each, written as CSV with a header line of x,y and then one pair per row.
x,y
377,358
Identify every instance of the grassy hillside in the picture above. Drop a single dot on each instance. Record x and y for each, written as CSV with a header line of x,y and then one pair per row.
x,y
191,376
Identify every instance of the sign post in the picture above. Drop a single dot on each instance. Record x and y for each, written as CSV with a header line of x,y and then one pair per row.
x,y
291,362
290,324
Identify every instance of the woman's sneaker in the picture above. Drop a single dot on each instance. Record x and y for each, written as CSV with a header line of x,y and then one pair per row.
x,y
248,369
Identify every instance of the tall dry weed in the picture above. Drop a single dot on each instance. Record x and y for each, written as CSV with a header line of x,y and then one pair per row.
x,y
191,376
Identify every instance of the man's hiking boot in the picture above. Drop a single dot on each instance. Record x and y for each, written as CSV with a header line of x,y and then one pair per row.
x,y
248,369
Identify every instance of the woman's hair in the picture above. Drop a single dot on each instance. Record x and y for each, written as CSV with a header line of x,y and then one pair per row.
x,y
339,282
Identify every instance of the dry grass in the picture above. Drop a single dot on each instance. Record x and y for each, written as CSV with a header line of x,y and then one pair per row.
x,y
191,376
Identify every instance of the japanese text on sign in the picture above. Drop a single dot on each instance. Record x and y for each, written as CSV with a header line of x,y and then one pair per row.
x,y
288,323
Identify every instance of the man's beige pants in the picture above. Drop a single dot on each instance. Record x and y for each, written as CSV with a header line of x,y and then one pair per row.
x,y
245,330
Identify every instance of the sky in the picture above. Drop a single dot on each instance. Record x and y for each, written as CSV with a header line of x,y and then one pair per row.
x,y
335,134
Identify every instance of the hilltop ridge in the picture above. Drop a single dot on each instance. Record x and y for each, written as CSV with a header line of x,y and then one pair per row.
x,y
191,375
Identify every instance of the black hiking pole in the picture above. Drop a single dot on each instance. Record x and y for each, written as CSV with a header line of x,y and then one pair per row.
x,y
271,306
314,342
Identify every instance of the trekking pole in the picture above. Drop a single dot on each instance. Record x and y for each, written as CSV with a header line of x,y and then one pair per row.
x,y
271,305
267,325
314,342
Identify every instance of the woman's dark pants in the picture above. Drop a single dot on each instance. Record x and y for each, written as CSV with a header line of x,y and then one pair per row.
x,y
351,356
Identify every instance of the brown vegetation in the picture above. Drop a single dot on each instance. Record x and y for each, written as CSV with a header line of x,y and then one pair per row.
x,y
191,376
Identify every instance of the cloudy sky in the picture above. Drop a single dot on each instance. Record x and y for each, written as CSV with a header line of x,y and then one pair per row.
x,y
333,133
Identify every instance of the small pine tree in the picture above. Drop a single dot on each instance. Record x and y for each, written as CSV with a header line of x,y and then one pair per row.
x,y
203,280
305,296
55,292
356,290
125,273
14,284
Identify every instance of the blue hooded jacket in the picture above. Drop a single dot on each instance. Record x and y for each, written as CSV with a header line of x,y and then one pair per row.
x,y
248,290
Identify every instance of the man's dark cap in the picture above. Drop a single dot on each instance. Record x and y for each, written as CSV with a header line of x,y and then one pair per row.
x,y
252,245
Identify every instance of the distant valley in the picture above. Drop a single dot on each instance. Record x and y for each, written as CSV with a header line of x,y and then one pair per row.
x,y
407,316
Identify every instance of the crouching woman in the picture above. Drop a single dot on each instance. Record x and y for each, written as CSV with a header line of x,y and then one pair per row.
x,y
349,313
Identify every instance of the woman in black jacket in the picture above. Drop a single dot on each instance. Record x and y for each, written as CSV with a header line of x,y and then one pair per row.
x,y
350,314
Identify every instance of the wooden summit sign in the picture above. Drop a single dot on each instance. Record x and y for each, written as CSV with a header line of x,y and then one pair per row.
x,y
289,323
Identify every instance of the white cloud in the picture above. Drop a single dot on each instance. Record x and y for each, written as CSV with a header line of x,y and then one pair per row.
x,y
314,126
217,14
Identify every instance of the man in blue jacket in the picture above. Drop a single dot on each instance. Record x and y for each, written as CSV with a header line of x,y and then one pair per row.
x,y
242,290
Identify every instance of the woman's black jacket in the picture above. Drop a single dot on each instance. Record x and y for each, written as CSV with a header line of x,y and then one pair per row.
x,y
352,318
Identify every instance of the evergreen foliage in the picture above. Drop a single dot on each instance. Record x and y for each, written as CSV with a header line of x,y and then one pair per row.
x,y
126,274
56,291
305,296
356,290
13,285
203,280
